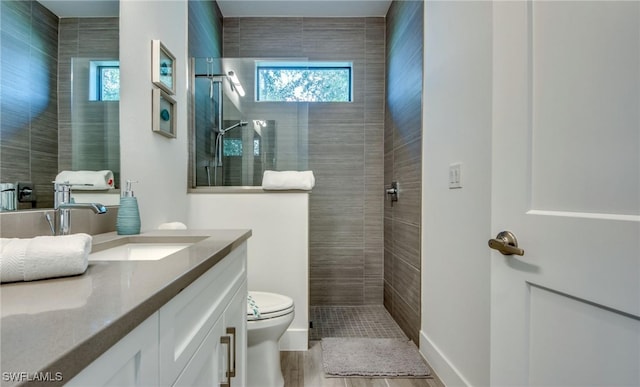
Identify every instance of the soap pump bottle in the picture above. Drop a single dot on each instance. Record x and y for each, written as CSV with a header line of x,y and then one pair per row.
x,y
128,219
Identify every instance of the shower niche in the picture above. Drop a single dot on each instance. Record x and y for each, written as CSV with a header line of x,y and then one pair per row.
x,y
235,138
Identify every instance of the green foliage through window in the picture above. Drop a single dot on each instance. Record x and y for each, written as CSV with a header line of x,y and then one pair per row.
x,y
233,147
109,83
311,82
104,80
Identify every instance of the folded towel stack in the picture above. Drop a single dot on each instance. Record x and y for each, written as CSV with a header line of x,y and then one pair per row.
x,y
87,180
43,257
284,180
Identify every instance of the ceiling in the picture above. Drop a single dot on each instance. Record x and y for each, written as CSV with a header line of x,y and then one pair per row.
x,y
309,8
238,8
88,8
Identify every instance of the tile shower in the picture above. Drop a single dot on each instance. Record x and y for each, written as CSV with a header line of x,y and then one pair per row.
x,y
356,240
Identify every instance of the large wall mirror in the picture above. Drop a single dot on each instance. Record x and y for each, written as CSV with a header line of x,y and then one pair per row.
x,y
59,95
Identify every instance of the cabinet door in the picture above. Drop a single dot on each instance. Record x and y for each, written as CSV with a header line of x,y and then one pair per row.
x,y
188,317
235,318
132,361
208,364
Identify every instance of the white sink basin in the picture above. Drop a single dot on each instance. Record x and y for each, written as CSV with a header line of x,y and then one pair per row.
x,y
138,251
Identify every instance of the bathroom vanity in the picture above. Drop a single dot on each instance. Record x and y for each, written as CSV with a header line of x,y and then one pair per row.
x,y
173,320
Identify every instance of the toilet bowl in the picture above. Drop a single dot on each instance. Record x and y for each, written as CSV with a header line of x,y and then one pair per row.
x,y
268,317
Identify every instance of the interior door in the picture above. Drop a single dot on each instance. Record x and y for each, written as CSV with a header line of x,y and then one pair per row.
x,y
566,182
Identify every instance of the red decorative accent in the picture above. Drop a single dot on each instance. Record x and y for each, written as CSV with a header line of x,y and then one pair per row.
x,y
110,182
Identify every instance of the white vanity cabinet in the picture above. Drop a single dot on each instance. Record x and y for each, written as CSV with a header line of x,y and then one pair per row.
x,y
221,359
194,339
132,361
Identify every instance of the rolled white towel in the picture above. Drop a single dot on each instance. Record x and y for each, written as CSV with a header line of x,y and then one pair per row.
x,y
87,180
284,180
172,226
43,257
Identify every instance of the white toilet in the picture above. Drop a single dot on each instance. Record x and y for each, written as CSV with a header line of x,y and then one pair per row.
x,y
265,325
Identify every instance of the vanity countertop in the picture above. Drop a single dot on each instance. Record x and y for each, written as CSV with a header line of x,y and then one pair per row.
x,y
54,328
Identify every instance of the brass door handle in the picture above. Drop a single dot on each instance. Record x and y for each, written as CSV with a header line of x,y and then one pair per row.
x,y
506,243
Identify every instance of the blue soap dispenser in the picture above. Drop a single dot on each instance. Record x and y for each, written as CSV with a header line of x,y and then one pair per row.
x,y
128,220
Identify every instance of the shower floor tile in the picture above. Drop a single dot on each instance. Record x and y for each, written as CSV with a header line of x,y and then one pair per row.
x,y
371,321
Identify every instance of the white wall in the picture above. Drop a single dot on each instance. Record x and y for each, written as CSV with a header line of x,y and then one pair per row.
x,y
157,162
278,250
456,223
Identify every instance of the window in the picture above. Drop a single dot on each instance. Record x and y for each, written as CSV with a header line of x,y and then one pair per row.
x,y
104,81
304,81
233,147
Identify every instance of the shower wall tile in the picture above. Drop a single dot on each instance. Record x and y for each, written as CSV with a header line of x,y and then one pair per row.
x,y
336,291
387,294
345,148
337,263
374,263
408,275
14,167
388,267
231,37
403,163
205,29
15,19
405,209
406,317
270,37
373,290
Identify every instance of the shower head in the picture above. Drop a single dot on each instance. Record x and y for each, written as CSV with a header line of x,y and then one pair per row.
x,y
239,123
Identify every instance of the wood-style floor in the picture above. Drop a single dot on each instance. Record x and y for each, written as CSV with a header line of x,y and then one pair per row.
x,y
304,369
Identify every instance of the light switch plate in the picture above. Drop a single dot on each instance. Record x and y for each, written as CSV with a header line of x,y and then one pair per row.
x,y
455,175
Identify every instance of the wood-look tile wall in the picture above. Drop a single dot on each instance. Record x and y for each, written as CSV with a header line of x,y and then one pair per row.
x,y
28,96
345,148
96,143
403,163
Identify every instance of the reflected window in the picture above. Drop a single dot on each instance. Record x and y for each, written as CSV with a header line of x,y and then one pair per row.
x,y
304,81
104,81
233,147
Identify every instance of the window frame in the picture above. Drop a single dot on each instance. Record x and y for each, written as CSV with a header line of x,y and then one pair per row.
x,y
314,65
95,79
99,80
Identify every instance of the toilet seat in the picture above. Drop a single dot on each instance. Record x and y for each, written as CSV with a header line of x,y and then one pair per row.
x,y
270,305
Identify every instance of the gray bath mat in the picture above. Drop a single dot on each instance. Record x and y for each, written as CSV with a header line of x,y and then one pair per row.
x,y
372,358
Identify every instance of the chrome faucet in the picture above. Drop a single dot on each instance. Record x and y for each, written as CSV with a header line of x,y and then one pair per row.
x,y
63,207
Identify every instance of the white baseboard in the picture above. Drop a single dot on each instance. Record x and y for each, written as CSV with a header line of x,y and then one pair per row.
x,y
446,371
295,340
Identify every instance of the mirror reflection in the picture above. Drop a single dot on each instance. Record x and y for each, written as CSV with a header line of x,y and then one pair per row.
x,y
59,92
237,138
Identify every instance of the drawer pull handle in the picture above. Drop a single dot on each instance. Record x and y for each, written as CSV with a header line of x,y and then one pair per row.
x,y
232,331
226,340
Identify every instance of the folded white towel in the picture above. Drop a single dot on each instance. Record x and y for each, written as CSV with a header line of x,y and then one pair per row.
x,y
172,226
87,180
43,257
283,180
